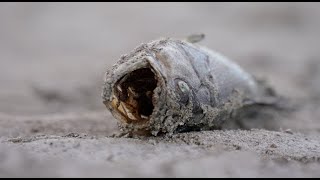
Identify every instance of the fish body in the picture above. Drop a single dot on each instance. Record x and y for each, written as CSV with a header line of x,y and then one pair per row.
x,y
169,86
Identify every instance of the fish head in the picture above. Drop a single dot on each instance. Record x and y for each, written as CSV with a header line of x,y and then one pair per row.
x,y
155,81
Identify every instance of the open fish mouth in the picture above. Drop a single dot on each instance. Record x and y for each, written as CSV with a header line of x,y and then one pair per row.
x,y
133,95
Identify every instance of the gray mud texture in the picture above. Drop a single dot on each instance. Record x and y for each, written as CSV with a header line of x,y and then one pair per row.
x,y
53,57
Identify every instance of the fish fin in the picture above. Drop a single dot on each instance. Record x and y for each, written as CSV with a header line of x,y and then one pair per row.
x,y
194,38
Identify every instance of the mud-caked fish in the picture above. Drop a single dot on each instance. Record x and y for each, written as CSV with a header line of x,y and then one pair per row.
x,y
170,85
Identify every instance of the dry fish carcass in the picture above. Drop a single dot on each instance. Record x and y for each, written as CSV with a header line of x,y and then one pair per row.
x,y
169,86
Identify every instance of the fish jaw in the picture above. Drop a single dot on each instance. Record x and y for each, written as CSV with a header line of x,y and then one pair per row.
x,y
129,91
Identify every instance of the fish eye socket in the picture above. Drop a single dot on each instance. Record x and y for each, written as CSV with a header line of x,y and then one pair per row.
x,y
183,86
182,91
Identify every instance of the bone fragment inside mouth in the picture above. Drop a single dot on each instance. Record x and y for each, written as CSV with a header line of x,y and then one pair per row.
x,y
133,95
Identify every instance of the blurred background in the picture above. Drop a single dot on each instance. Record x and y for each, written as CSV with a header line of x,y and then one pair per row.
x,y
53,55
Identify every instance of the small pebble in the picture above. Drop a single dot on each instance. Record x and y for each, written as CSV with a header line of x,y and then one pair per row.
x,y
16,140
273,146
34,130
237,147
289,131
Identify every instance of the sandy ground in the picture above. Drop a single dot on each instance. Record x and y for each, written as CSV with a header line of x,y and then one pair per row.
x,y
53,57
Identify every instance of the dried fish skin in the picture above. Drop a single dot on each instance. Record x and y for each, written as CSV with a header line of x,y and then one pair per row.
x,y
169,86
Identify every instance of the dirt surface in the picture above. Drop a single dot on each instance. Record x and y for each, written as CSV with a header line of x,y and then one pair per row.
x,y
53,57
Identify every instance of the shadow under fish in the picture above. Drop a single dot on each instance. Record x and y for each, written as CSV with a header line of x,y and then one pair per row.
x,y
170,86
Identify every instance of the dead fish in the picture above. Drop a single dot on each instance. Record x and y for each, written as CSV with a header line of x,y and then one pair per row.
x,y
170,85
